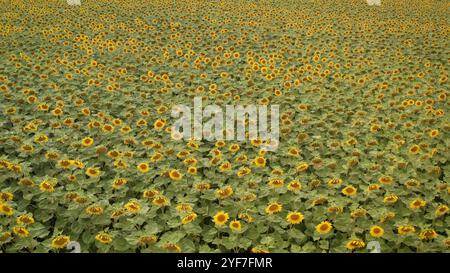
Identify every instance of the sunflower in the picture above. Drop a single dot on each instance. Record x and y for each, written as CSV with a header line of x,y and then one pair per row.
x,y
202,186
412,183
293,152
25,219
5,236
119,183
192,170
27,148
46,186
358,213
172,247
175,175
276,183
387,216
151,193
373,187
235,226
51,155
64,163
403,230
417,204
414,149
433,133
108,128
273,208
324,227
220,218
77,163
224,167
120,164
260,161
113,154
6,196
21,231
355,244
104,238
233,148
376,231
6,209
133,207
259,250
428,234
335,209
390,199
156,157
117,213
294,186
159,124
125,129
94,210
334,182
60,241
189,218
243,171
302,167
441,210
224,193
41,139
143,167
26,182
349,191
386,180
93,172
147,239
295,218
87,141
184,207
160,201
220,143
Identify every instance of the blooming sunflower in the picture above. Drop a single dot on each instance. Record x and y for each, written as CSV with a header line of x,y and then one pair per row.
x,y
273,208
119,183
172,247
376,231
403,230
355,244
6,209
25,219
175,175
160,201
260,161
143,167
220,218
104,238
87,141
21,231
294,186
295,218
93,172
46,186
133,207
189,218
235,226
428,234
441,210
324,227
349,191
60,241
417,204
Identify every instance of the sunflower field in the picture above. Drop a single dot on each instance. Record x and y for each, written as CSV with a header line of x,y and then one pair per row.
x,y
86,152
